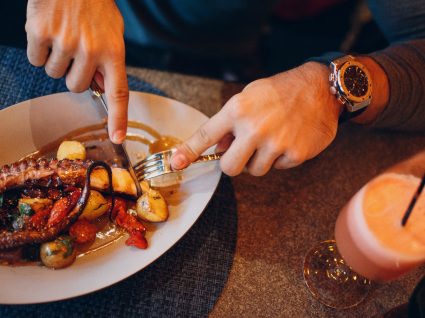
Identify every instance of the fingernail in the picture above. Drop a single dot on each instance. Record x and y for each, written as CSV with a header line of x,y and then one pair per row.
x,y
179,161
118,137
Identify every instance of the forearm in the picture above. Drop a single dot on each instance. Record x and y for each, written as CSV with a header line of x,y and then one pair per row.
x,y
404,67
403,23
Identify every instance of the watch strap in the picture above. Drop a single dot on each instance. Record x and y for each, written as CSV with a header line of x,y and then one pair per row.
x,y
346,115
326,58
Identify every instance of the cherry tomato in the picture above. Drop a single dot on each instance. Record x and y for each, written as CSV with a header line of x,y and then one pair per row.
x,y
82,231
137,239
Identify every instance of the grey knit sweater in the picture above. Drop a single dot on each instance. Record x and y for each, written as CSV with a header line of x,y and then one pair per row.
x,y
403,23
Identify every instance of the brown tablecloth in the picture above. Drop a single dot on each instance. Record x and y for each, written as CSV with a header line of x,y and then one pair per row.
x,y
283,214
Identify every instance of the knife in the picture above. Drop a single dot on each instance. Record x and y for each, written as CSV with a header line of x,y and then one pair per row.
x,y
119,149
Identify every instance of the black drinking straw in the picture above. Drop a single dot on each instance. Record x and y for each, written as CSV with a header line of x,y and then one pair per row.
x,y
413,202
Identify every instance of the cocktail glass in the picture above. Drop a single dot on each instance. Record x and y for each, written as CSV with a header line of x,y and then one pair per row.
x,y
371,244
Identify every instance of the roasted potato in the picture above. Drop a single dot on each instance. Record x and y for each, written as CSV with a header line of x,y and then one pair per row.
x,y
59,253
71,149
96,206
151,206
121,181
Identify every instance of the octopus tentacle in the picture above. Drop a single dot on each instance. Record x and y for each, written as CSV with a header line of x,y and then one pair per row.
x,y
17,174
19,238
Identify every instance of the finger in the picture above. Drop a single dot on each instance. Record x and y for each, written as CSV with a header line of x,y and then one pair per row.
x,y
58,62
261,162
286,161
206,136
80,74
224,143
37,49
237,156
117,95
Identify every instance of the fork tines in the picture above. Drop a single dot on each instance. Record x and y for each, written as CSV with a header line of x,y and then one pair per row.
x,y
154,165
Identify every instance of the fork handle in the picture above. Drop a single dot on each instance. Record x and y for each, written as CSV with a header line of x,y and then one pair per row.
x,y
209,157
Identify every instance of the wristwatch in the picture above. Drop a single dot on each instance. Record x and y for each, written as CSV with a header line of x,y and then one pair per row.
x,y
351,83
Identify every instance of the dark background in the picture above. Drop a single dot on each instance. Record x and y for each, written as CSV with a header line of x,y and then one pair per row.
x,y
285,42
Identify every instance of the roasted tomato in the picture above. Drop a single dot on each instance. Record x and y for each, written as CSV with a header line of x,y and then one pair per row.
x,y
135,229
63,206
83,232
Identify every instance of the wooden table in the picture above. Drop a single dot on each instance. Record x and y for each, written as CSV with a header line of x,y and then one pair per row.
x,y
283,214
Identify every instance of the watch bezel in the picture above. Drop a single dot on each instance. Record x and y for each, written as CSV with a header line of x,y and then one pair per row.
x,y
343,88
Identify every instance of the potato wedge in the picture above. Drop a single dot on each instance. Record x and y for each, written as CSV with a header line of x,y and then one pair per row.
x,y
96,206
121,181
151,206
71,149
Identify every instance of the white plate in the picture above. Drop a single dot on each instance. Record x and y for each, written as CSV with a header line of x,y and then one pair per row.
x,y
30,125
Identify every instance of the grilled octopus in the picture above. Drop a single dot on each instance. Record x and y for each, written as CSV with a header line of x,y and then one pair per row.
x,y
66,182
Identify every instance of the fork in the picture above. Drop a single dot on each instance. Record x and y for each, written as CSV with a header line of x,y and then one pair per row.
x,y
159,164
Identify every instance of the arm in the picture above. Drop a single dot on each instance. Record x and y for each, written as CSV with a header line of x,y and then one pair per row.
x,y
403,23
77,39
291,117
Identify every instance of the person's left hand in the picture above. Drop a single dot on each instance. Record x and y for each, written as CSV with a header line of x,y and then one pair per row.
x,y
279,121
78,39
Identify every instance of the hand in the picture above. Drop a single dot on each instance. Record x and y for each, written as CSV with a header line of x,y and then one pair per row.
x,y
78,38
279,121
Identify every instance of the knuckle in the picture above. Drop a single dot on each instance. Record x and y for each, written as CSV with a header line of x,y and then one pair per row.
x,y
294,157
34,58
257,171
37,34
237,105
74,85
274,148
228,169
65,47
120,94
188,151
202,136
254,84
54,70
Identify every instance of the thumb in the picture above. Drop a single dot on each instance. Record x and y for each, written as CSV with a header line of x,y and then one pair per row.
x,y
207,135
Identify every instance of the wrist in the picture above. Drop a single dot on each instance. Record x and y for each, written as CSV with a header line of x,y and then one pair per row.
x,y
322,72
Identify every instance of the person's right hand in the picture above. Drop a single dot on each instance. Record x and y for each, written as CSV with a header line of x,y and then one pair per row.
x,y
79,38
280,122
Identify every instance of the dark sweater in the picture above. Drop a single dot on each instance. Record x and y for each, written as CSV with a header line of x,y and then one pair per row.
x,y
214,28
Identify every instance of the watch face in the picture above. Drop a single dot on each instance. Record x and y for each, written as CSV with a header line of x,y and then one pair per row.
x,y
356,80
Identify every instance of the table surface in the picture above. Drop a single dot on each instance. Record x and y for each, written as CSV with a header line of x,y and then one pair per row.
x,y
283,214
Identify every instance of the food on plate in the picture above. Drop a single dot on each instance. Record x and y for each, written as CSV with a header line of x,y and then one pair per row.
x,y
50,209
97,205
72,150
151,206
59,253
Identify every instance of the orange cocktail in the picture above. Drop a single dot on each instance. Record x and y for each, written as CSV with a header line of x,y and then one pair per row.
x,y
369,234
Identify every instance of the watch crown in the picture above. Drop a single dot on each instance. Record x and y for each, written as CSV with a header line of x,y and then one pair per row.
x,y
331,77
332,90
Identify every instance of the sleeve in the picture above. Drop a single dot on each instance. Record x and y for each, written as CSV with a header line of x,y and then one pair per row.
x,y
403,23
404,64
